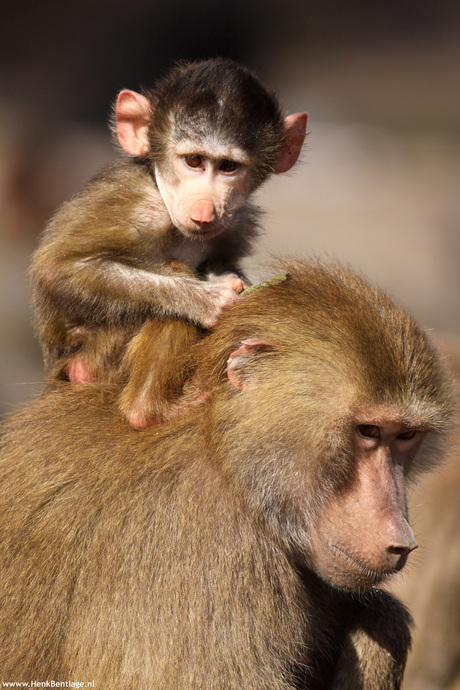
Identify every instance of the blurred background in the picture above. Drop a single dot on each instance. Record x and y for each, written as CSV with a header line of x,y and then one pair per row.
x,y
378,185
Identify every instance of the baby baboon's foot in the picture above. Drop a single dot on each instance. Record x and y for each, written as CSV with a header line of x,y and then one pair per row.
x,y
78,371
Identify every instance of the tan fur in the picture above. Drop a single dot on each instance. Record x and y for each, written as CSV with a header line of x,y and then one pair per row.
x,y
184,557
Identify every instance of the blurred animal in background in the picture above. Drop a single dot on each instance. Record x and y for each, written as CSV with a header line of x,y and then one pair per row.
x,y
160,235
242,543
431,586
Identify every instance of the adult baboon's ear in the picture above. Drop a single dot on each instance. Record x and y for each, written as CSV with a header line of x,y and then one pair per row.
x,y
238,370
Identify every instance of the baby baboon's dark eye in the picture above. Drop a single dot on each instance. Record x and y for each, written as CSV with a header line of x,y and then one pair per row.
x,y
228,166
193,161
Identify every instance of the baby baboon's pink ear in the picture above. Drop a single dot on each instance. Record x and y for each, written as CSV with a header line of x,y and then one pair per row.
x,y
295,128
133,114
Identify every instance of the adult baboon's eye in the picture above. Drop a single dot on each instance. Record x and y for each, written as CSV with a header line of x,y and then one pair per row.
x,y
408,435
369,430
228,166
193,161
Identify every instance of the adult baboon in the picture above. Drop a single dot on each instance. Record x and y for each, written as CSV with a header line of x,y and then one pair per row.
x,y
241,544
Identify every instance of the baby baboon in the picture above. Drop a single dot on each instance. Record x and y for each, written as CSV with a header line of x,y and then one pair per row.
x,y
112,258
